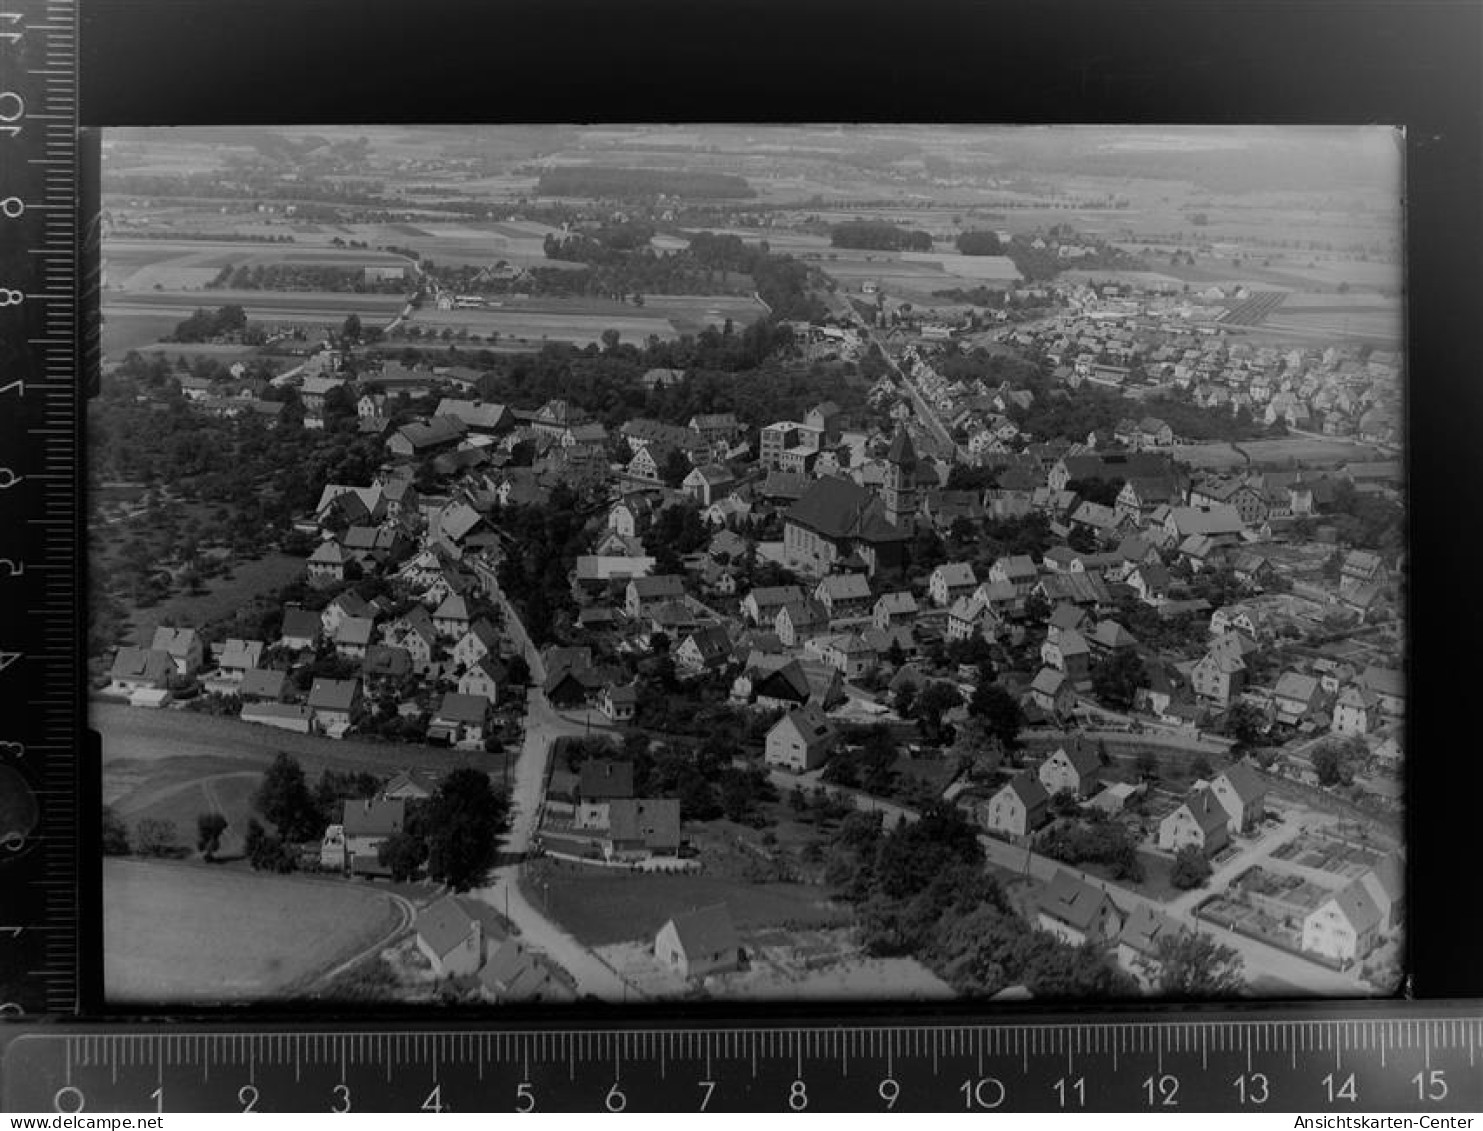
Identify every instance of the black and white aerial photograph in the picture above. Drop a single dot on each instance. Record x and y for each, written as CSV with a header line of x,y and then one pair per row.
x,y
537,564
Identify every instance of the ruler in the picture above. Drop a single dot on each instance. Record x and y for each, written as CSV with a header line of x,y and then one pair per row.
x,y
1414,1058
44,292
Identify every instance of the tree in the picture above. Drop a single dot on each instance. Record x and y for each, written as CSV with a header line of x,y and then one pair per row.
x,y
265,851
1245,723
1000,714
1117,678
115,841
404,853
466,817
935,699
209,827
1189,965
350,331
1191,869
285,800
1331,764
675,467
1148,764
155,837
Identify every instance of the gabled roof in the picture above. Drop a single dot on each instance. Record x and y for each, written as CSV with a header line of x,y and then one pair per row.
x,y
354,631
811,724
1072,901
445,925
378,816
453,607
956,574
300,623
333,694
265,683
241,653
1110,634
604,779
1244,781
898,602
1206,809
844,587
660,585
775,596
1027,787
1083,759
152,664
458,708
1048,681
1146,928
176,642
653,820
838,508
706,931
1296,685
1358,907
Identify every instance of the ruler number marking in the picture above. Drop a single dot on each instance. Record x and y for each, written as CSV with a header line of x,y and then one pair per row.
x,y
982,1095
889,1091
615,1100
247,1097
11,18
1251,1088
1078,1088
797,1096
1162,1090
434,1101
342,1096
1431,1085
525,1097
708,1087
1345,1090
158,1095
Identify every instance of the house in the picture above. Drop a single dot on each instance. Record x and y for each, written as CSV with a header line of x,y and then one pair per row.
x,y
950,581
1067,652
450,938
1139,942
1296,696
1018,570
332,704
353,636
1344,927
705,649
967,617
644,594
1388,685
1220,676
795,622
481,639
894,609
1356,711
844,595
1109,637
238,657
478,417
801,740
600,782
640,827
618,702
1242,794
1199,820
140,669
1078,913
708,483
1018,808
262,685
410,785
630,514
460,720
1052,692
483,679
451,617
699,943
300,630
1077,770
183,646
849,653
366,825
426,438
516,973
761,605
1385,883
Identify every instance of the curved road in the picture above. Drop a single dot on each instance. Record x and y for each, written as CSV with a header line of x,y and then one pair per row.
x,y
407,916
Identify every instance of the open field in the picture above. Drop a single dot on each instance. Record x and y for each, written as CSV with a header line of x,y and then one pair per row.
x,y
192,933
577,328
599,906
305,306
1306,449
135,330
138,735
223,596
980,268
141,265
229,794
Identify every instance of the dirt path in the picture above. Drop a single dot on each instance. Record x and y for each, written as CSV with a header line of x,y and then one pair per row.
x,y
407,914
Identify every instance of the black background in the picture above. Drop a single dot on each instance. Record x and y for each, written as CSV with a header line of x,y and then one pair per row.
x,y
1417,64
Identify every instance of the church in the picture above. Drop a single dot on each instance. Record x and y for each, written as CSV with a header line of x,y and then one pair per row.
x,y
840,526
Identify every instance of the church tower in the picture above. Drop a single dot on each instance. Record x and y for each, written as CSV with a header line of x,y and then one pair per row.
x,y
899,490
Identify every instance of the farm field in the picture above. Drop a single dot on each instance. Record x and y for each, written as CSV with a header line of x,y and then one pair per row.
x,y
986,268
181,802
123,330
1307,449
140,265
600,906
176,933
531,327
303,305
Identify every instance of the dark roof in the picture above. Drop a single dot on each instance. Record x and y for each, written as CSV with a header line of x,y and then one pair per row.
x,y
265,683
376,817
838,508
444,925
1206,809
142,663
603,779
1244,780
462,708
706,931
300,623
655,821
333,694
1072,901
901,451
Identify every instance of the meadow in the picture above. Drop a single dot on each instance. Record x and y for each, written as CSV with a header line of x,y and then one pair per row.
x,y
185,933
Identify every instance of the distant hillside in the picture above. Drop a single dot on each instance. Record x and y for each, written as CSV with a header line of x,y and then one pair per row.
x,y
605,181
